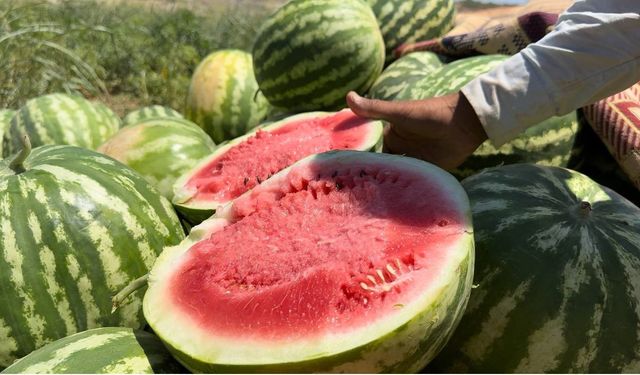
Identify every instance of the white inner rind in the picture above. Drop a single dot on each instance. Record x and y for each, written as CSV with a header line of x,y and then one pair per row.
x,y
193,341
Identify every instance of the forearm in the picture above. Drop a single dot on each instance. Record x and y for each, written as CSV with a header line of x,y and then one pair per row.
x,y
593,53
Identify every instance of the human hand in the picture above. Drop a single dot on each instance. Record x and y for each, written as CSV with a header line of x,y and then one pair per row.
x,y
443,130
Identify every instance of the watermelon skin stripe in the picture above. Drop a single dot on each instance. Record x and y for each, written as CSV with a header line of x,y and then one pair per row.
x,y
402,73
309,54
564,294
100,351
76,228
150,112
59,119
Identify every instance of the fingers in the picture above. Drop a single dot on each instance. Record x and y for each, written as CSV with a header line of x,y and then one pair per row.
x,y
377,109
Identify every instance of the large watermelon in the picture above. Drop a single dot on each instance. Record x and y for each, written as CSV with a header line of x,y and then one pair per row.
x,y
558,276
58,119
160,149
100,351
311,53
247,161
224,98
409,21
345,262
5,120
547,143
76,227
150,112
402,73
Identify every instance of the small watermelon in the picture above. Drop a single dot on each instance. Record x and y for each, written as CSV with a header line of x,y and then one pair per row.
x,y
224,98
557,275
100,351
59,119
402,73
345,262
76,227
5,120
310,53
409,21
160,149
150,112
248,160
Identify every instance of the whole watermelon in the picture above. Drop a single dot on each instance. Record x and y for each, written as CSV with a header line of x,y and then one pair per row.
x,y
5,119
409,21
146,113
100,351
557,276
402,73
76,227
310,53
59,119
160,149
224,98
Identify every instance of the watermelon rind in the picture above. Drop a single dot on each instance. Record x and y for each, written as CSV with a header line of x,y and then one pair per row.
x,y
100,351
557,275
401,343
197,211
402,73
150,112
76,227
310,53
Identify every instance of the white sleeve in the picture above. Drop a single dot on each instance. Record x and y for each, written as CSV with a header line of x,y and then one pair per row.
x,y
594,52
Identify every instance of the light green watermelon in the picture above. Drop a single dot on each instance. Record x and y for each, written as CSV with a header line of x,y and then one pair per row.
x,y
75,228
402,73
310,53
160,149
58,119
547,143
557,276
224,98
150,112
100,351
409,21
5,120
331,265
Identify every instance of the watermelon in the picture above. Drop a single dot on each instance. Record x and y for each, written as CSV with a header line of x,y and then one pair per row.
x,y
5,119
547,143
409,21
310,53
402,73
76,227
345,262
59,119
224,98
150,112
247,161
558,276
160,149
100,351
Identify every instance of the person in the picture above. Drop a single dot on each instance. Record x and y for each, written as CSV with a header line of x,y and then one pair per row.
x,y
593,52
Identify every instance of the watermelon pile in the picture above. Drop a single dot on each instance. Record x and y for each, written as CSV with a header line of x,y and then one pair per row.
x,y
265,231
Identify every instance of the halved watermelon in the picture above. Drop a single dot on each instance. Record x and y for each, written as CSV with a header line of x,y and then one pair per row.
x,y
344,262
246,161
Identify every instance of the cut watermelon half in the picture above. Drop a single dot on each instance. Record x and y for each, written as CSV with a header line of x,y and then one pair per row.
x,y
344,262
246,161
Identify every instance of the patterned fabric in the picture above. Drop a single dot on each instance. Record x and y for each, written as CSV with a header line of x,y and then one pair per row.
x,y
616,120
505,38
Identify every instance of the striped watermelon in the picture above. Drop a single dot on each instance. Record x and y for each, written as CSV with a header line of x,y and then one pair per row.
x,y
5,120
100,351
149,112
409,21
59,119
246,161
345,262
311,53
402,73
160,149
224,98
547,143
75,228
557,275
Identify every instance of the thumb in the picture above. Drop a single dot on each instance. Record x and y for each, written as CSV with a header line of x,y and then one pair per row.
x,y
375,109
